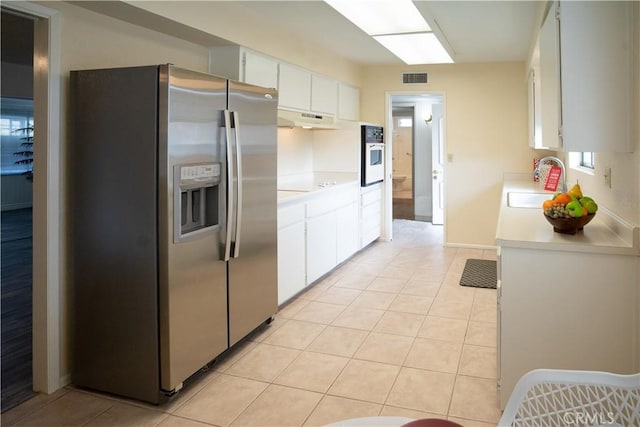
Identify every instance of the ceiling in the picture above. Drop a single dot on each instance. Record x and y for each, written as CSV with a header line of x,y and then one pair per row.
x,y
476,31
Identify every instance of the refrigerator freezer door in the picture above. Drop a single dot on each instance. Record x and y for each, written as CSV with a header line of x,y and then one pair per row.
x,y
114,258
193,279
253,273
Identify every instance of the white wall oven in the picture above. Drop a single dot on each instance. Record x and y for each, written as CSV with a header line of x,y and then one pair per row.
x,y
372,170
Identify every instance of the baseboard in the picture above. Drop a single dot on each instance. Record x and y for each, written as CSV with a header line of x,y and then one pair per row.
x,y
470,246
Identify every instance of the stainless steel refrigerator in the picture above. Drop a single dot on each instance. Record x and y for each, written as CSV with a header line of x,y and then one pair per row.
x,y
172,224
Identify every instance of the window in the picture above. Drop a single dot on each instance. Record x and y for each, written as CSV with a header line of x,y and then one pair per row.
x,y
587,160
405,122
16,136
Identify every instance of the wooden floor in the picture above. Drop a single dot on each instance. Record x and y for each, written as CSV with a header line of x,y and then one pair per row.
x,y
403,208
16,294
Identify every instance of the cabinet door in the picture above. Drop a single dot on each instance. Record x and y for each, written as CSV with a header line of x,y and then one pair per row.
x,y
370,214
347,236
321,245
291,261
550,81
294,87
348,102
260,70
535,129
596,40
324,95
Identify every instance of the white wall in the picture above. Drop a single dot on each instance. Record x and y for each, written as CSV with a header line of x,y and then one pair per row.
x,y
302,151
240,25
486,133
295,152
90,40
337,150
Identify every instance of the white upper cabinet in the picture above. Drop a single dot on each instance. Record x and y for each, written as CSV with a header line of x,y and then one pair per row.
x,y
243,65
348,102
324,94
549,75
587,76
535,110
260,70
298,89
596,40
294,87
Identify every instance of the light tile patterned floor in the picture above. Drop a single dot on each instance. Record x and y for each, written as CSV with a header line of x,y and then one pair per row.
x,y
389,333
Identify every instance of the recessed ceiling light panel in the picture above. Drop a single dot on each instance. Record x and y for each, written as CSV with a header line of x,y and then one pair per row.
x,y
376,17
423,48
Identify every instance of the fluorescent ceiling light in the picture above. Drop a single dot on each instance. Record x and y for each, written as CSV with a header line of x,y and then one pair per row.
x,y
398,26
376,17
421,48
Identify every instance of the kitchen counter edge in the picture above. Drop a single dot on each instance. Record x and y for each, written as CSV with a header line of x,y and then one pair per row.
x,y
527,228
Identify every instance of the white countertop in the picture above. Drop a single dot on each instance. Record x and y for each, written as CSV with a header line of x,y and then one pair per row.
x,y
294,187
527,227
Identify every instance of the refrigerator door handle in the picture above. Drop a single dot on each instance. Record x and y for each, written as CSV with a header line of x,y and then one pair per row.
x,y
230,192
238,219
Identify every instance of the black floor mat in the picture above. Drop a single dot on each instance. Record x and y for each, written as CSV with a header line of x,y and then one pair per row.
x,y
479,273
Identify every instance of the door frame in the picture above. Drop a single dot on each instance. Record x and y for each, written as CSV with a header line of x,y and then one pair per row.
x,y
387,190
412,107
48,252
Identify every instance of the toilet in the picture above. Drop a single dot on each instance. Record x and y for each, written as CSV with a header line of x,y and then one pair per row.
x,y
398,181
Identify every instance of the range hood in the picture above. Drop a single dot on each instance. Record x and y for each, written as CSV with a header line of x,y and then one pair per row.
x,y
290,119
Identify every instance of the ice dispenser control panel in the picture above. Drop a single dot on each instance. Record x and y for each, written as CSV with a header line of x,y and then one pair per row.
x,y
196,189
199,173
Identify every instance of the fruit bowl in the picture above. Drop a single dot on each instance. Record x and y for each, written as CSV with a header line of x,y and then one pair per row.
x,y
569,225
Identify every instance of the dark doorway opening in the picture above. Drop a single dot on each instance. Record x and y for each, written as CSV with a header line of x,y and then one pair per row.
x,y
16,281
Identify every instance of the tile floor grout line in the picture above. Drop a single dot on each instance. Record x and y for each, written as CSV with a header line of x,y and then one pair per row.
x,y
411,249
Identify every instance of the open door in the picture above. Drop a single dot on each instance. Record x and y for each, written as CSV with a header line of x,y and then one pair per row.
x,y
438,170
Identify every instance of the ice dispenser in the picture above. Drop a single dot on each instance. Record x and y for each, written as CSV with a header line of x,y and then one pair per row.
x,y
196,190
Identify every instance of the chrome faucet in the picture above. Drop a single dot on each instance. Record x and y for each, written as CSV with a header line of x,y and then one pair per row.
x,y
563,183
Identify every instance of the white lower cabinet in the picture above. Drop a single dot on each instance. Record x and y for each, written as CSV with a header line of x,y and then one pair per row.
x,y
291,251
315,234
321,245
347,236
565,310
370,214
291,261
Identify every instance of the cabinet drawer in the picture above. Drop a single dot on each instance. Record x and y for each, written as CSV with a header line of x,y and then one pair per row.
x,y
320,205
290,215
346,196
370,197
331,200
370,211
369,235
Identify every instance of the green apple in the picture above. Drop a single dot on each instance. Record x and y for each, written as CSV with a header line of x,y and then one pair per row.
x,y
574,207
589,204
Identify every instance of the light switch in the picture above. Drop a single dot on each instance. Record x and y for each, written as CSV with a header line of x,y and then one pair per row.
x,y
607,177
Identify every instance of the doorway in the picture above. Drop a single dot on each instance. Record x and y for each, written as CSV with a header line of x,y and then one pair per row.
x,y
16,135
416,136
403,163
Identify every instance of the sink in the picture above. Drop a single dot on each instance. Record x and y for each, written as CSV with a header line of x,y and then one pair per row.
x,y
526,200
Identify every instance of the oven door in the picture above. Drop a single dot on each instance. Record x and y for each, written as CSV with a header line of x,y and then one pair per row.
x,y
373,162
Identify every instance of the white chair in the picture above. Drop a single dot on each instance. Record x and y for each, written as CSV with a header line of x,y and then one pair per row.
x,y
549,397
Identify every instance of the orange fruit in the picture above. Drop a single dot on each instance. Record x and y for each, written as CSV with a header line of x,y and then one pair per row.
x,y
562,199
548,204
